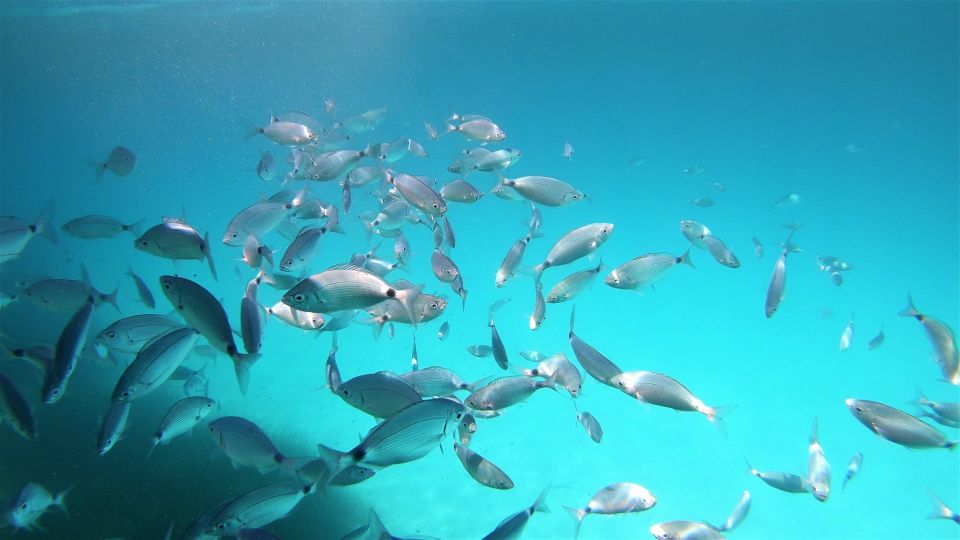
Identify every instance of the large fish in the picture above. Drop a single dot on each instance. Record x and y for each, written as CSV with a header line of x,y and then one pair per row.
x,y
943,340
897,426
175,239
154,364
72,339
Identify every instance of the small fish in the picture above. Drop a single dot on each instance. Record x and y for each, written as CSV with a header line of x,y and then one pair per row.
x,y
789,483
593,362
267,167
451,239
460,191
466,428
591,426
436,381
181,418
498,160
176,240
567,151
419,194
444,331
259,219
329,105
256,254
661,390
70,344
719,187
431,131
778,282
511,261
757,247
787,200
401,248
738,514
702,202
286,133
818,469
380,394
120,162
693,170
154,364
575,244
533,356
941,510
539,307
512,526
847,336
571,286
15,409
943,341
496,343
949,410
852,469
95,226
481,469
504,392
443,267
112,427
66,295
645,270
142,290
544,190
478,129
258,507
31,504
897,426
721,253
685,530
694,232
619,498
252,318
196,385
480,351
302,250
567,375
245,443
128,335
16,233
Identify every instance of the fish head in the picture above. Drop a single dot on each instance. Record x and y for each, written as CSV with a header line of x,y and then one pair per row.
x,y
860,410
604,231
233,236
573,197
228,527
574,388
614,280
299,296
469,423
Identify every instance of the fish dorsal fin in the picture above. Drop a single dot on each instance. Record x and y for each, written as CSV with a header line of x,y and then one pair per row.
x,y
348,266
168,219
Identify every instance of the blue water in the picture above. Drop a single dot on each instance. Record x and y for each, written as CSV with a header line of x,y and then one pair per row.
x,y
767,98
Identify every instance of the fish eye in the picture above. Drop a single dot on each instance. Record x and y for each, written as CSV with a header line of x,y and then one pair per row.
x,y
112,335
435,205
23,506
144,243
125,395
298,298
433,305
166,286
222,526
234,235
346,393
859,409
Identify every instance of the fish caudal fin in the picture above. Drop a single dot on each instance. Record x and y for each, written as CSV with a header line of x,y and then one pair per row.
x,y
577,514
336,462
135,228
910,310
206,250
940,510
241,366
44,224
111,298
60,500
540,505
685,259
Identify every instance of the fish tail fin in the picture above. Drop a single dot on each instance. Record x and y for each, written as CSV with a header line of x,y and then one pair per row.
x,y
573,318
111,298
206,249
940,510
537,271
577,514
478,383
60,500
406,297
241,366
156,442
376,325
252,129
685,259
716,415
540,505
44,224
920,399
910,310
448,127
750,468
135,228
336,462
951,445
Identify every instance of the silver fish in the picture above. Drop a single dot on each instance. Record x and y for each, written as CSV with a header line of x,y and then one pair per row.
x,y
943,341
567,375
818,468
897,426
202,311
511,261
450,238
331,165
259,219
847,336
567,151
380,394
460,191
575,244
738,514
256,254
694,232
645,270
96,226
286,133
569,287
512,526
154,364
481,469
591,425
182,417
72,339
120,162
431,131
702,202
685,530
466,428
129,334
444,331
258,507
65,295
757,247
852,469
32,502
497,160
480,351
15,410
418,194
443,267
436,381
267,167
142,290
497,348
362,176
175,239
539,307
303,249
721,253
478,129
545,190
778,282
941,510
112,427
949,410
252,318
619,498
659,389
16,233
789,483
787,200
504,392
594,363
719,187
245,443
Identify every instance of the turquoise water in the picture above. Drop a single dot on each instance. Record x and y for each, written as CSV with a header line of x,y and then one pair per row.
x,y
853,106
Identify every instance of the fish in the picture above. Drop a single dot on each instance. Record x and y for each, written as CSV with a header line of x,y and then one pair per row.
x,y
818,468
375,529
789,483
256,254
451,239
852,469
567,375
444,331
129,334
949,410
426,307
31,504
259,219
407,435
154,364
504,392
567,151
545,190
497,160
539,307
942,420
702,202
181,418
685,530
571,286
362,176
721,253
466,428
420,195
787,200
15,409
719,186
575,244
876,341
252,318
285,132
481,469
738,514
497,348
436,381
511,261
303,249
258,507
664,391
693,170
637,160
443,267
348,287
146,297
431,131
66,295
897,426
202,311
645,270
943,341
618,498
757,247
941,510
695,232
512,526
120,162
245,443
591,425
847,336
267,167
175,239
70,344
380,394
480,351
478,129
15,233
401,248
333,164
778,282
593,362
112,426
460,191
96,226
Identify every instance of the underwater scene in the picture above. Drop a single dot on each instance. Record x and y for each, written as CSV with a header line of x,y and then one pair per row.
x,y
464,270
